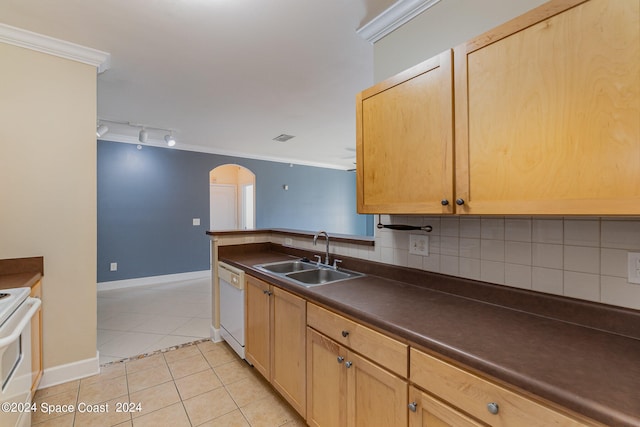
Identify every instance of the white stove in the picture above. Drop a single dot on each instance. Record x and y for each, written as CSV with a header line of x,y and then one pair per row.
x,y
10,299
16,376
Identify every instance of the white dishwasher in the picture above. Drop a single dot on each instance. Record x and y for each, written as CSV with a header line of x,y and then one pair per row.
x,y
231,282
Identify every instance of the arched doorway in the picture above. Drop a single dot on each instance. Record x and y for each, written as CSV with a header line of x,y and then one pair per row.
x,y
232,198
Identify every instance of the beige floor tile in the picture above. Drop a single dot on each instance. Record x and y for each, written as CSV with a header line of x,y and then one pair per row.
x,y
248,390
68,398
61,421
181,353
104,416
174,416
148,378
150,362
268,412
232,419
219,354
57,389
207,345
232,371
103,391
208,406
106,373
187,366
197,383
153,398
125,424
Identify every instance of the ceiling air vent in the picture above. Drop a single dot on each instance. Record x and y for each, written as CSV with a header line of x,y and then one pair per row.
x,y
283,137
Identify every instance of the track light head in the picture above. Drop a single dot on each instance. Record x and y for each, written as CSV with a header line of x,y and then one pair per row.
x,y
102,130
143,135
170,140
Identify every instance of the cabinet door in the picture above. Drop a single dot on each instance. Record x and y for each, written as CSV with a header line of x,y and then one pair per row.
x,y
547,109
326,381
426,411
375,396
257,322
288,346
404,141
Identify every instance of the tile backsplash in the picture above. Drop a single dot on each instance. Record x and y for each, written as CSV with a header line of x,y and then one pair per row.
x,y
583,258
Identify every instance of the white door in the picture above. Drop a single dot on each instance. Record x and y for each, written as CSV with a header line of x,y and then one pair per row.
x,y
223,207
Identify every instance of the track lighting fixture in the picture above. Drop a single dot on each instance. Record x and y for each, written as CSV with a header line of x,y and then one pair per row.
x,y
171,141
102,130
143,134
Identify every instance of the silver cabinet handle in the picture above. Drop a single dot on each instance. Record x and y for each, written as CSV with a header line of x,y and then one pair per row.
x,y
267,292
345,333
493,408
348,364
413,406
459,202
340,359
444,202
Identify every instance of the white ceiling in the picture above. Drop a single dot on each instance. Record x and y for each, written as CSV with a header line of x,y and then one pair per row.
x,y
227,75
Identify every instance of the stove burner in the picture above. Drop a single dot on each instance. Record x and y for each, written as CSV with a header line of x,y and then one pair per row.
x,y
4,295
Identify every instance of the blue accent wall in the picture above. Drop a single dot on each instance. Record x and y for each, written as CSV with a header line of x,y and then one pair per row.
x,y
147,199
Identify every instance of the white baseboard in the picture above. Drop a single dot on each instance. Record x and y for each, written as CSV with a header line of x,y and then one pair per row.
x,y
153,280
215,335
70,372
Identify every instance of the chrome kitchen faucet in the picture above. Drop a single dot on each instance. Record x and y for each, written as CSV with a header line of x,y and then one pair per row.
x,y
315,241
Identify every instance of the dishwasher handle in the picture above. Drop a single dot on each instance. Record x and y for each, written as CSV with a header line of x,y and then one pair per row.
x,y
231,275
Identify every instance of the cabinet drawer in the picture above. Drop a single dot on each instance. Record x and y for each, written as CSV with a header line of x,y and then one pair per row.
x,y
381,349
473,395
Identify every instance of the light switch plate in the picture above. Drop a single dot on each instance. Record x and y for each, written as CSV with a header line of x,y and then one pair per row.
x,y
196,221
633,267
113,266
418,244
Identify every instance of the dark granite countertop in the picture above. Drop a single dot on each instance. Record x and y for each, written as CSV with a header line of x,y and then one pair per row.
x,y
20,272
588,370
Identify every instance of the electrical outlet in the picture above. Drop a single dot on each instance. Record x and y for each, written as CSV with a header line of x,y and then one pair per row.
x,y
113,266
288,241
196,221
418,244
633,265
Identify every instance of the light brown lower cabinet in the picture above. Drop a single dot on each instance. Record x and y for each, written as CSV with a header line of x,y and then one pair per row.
x,y
275,339
345,389
489,403
427,411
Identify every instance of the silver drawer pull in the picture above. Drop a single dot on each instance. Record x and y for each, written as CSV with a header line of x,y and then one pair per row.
x,y
493,408
340,359
348,364
345,333
413,406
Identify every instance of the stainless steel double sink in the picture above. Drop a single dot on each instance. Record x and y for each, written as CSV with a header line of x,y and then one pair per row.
x,y
306,273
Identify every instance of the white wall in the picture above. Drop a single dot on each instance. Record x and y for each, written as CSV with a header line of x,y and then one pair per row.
x,y
443,26
48,190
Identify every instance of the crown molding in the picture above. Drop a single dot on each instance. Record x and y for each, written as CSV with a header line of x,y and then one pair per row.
x,y
392,18
64,49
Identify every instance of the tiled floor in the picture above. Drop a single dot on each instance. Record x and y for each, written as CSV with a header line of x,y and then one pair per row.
x,y
140,320
203,384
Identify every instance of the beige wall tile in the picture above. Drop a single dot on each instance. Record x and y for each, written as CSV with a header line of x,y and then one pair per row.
x,y
617,291
582,285
547,280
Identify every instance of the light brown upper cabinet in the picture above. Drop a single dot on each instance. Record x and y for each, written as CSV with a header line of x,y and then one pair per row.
x,y
547,112
404,145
